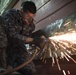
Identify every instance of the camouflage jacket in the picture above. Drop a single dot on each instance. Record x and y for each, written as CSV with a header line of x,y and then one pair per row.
x,y
15,27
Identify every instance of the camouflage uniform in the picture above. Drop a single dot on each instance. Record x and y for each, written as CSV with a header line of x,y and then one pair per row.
x,y
3,36
17,31
3,42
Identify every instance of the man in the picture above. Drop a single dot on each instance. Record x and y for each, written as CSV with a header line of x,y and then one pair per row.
x,y
18,27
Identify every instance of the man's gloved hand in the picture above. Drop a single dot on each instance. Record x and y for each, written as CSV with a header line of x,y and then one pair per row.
x,y
29,40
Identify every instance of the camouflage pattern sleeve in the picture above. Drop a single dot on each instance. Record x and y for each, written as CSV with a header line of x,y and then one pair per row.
x,y
14,26
14,31
3,36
